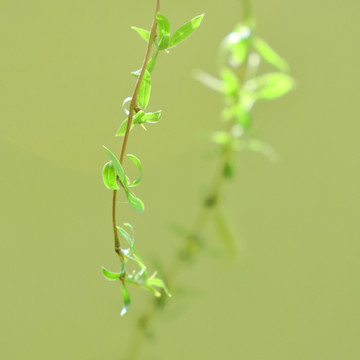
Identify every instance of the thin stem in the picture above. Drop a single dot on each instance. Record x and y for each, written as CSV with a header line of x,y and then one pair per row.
x,y
133,105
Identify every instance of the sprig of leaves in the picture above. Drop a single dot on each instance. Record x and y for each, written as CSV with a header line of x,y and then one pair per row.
x,y
114,175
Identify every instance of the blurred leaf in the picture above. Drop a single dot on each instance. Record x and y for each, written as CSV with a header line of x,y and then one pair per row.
x,y
126,236
109,176
134,201
224,232
269,55
185,31
137,162
131,255
229,170
122,128
126,297
144,90
209,81
139,117
271,85
222,138
109,275
238,42
119,169
130,229
243,117
143,33
230,82
152,281
153,117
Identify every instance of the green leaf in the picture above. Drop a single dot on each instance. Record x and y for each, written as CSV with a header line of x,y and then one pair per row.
x,y
122,128
109,275
239,42
131,255
230,82
164,42
134,201
271,86
158,283
164,24
139,117
143,33
126,236
151,65
119,169
185,31
209,80
144,90
270,55
109,176
126,297
153,117
130,229
137,162
222,138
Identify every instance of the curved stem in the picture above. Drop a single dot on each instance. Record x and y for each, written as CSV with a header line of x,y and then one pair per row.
x,y
133,105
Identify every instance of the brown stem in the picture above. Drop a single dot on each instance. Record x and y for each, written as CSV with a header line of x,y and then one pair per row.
x,y
133,106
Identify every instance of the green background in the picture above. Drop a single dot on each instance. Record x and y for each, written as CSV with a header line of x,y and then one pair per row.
x,y
293,290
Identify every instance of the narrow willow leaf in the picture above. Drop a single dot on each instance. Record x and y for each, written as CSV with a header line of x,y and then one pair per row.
x,y
143,33
126,297
239,42
164,24
224,233
164,42
272,85
185,31
144,90
139,117
158,283
152,62
270,55
230,82
119,169
109,176
155,292
153,117
137,162
130,255
130,230
127,100
209,80
109,275
243,117
122,128
134,201
126,236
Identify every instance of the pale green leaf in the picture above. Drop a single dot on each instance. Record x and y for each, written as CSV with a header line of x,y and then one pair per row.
x,y
126,298
153,117
122,128
134,201
139,117
109,275
126,101
126,236
144,90
143,33
270,55
185,31
119,169
109,176
137,163
158,283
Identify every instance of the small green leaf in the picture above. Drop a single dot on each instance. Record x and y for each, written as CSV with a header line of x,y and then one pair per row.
x,y
209,80
164,24
164,42
139,117
144,90
185,31
271,86
158,283
239,42
109,176
130,229
137,162
109,275
122,128
130,254
119,169
153,117
230,82
126,297
155,292
151,65
126,236
143,33
270,55
134,201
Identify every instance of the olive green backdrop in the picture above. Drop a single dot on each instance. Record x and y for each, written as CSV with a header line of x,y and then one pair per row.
x,y
293,290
